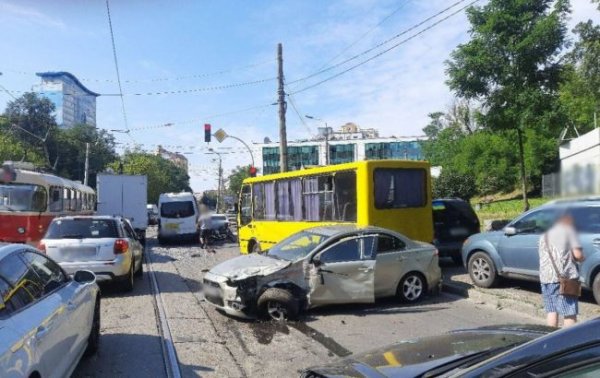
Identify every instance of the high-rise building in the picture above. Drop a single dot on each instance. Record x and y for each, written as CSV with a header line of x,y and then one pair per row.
x,y
348,144
75,104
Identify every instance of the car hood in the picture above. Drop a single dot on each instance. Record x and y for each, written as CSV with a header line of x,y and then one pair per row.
x,y
416,357
242,267
490,236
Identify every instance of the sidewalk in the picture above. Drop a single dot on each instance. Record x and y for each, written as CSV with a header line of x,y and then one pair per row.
x,y
521,296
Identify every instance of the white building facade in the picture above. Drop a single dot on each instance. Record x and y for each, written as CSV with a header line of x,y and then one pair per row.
x,y
580,165
75,104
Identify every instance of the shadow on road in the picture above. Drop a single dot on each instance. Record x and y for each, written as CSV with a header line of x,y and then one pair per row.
x,y
130,355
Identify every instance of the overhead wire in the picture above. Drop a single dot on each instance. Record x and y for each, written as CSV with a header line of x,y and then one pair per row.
x,y
422,31
114,49
381,44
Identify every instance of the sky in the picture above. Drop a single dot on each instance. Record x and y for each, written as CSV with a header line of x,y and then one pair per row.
x,y
216,61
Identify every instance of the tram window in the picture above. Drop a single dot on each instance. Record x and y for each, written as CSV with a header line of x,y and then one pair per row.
x,y
67,199
77,200
56,203
39,199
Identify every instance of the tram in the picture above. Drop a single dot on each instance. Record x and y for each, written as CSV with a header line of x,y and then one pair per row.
x,y
29,200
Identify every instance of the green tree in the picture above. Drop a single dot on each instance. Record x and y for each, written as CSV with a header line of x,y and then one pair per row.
x,y
163,175
237,176
452,184
511,65
31,121
72,142
12,148
435,126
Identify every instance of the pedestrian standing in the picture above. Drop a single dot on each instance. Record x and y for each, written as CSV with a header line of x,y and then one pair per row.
x,y
559,251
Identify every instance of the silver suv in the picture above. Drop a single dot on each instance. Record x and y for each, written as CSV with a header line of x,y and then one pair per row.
x,y
105,245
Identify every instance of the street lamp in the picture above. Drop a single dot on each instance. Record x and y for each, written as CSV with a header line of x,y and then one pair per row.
x,y
326,136
221,135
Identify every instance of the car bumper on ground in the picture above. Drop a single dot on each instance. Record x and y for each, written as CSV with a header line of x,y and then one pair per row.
x,y
224,297
104,270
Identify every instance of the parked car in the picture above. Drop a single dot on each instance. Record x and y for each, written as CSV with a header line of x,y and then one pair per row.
x,y
47,320
178,217
430,356
453,221
322,266
497,351
513,251
105,245
152,217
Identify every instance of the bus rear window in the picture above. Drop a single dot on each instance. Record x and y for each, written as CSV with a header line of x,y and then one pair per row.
x,y
399,188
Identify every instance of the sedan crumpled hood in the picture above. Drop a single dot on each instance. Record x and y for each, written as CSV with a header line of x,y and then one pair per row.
x,y
242,267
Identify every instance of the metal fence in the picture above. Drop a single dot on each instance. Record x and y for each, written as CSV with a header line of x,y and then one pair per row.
x,y
551,185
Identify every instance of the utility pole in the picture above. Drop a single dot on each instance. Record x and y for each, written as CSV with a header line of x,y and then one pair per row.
x,y
219,198
283,155
326,144
87,164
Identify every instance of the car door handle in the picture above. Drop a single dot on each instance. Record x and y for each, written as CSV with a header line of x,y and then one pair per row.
x,y
400,258
41,332
366,270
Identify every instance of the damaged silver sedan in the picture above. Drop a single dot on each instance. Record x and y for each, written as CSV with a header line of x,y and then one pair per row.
x,y
322,266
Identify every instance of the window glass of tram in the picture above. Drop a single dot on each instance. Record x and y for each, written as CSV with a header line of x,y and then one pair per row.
x,y
56,199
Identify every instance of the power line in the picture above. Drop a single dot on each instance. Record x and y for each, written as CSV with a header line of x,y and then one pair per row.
x,y
386,50
365,52
114,48
293,103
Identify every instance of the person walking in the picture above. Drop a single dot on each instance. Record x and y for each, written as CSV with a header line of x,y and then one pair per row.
x,y
559,251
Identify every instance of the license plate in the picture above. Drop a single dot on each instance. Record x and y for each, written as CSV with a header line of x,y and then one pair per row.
x,y
172,226
211,291
459,231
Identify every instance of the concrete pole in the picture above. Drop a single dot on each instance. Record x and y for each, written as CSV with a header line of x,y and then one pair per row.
x,y
283,155
87,164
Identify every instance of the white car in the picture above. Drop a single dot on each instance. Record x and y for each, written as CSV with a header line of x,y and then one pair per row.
x,y
178,217
322,266
47,320
105,245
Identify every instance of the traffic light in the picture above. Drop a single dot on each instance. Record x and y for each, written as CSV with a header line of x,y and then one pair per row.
x,y
252,171
207,132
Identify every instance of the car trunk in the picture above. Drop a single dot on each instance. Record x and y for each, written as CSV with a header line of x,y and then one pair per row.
x,y
72,250
454,221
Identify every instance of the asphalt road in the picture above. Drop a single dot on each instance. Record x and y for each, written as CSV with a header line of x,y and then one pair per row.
x,y
210,344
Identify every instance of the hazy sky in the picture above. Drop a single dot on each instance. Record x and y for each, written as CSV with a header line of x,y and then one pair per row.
x,y
204,49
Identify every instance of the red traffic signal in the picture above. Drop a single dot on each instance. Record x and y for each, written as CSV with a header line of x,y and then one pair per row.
x,y
252,171
207,132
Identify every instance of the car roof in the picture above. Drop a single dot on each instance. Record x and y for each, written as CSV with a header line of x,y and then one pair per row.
x,y
71,217
579,201
8,248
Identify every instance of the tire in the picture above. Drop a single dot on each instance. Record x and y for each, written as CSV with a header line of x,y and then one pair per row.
x,y
278,304
596,288
140,271
412,288
482,270
128,282
457,259
161,241
94,337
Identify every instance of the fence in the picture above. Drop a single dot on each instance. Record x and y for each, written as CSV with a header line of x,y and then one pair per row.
x,y
551,185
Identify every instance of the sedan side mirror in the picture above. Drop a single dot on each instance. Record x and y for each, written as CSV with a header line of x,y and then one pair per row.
x,y
84,277
317,261
510,231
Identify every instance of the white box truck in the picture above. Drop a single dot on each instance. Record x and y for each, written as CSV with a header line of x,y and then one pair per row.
x,y
125,196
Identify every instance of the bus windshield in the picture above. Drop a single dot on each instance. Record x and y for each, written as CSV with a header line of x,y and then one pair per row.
x,y
22,197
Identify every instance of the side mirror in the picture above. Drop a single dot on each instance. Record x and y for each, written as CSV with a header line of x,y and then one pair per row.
x,y
84,277
317,261
510,231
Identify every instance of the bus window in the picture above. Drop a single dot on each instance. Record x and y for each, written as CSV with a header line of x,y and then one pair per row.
x,y
56,203
345,196
245,207
258,200
289,200
318,198
270,201
399,188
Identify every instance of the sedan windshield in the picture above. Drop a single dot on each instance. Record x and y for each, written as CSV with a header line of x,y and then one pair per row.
x,y
297,246
22,197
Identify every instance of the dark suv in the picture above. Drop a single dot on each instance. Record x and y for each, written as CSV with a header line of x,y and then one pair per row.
x,y
453,222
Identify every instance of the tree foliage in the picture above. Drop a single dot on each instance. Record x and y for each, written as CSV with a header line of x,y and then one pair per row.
x,y
452,184
511,65
163,175
237,176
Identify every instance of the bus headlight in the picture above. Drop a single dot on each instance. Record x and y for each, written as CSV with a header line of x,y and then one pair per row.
x,y
21,230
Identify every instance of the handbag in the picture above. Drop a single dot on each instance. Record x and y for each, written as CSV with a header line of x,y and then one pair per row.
x,y
568,287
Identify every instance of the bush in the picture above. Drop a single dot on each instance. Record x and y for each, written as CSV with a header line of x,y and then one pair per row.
x,y
455,185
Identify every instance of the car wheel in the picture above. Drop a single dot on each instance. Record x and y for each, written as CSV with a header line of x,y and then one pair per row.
x,y
161,241
94,337
128,283
278,304
140,271
411,288
482,270
457,259
596,288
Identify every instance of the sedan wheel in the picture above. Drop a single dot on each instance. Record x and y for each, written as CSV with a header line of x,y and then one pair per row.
x,y
277,311
482,270
278,304
411,288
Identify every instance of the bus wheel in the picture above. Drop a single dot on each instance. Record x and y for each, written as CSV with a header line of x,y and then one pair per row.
x,y
256,247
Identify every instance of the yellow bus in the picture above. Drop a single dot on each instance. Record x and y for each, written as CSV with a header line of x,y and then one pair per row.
x,y
394,194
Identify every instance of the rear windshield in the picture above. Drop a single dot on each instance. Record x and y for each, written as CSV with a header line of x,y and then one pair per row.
x,y
219,217
444,211
178,209
82,228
